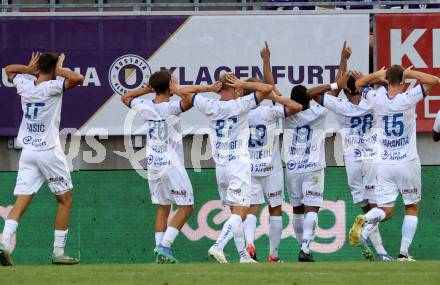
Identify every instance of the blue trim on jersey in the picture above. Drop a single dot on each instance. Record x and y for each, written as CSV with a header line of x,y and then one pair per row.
x,y
423,90
181,108
192,99
64,85
322,99
256,99
129,103
285,111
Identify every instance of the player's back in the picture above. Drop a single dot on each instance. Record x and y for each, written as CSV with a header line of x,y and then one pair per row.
x,y
396,123
229,126
41,105
304,138
164,137
356,122
263,144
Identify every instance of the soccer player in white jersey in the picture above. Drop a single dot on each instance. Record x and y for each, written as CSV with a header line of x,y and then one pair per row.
x,y
304,155
266,167
167,177
356,119
229,136
436,128
42,158
399,169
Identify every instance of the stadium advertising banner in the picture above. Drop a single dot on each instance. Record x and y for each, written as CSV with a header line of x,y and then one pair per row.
x,y
113,221
412,39
117,54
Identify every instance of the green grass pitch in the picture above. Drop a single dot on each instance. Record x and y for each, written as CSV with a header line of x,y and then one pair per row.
x,y
356,273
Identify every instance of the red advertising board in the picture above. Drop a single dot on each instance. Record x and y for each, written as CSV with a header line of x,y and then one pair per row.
x,y
412,39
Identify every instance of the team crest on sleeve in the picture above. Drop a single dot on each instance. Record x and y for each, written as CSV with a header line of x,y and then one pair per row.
x,y
128,72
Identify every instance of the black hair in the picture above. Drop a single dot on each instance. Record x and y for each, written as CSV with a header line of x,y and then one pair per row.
x,y
351,87
47,62
299,94
160,80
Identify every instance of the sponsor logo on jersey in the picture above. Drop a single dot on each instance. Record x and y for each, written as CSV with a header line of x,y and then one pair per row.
x,y
27,140
313,194
396,155
128,72
275,194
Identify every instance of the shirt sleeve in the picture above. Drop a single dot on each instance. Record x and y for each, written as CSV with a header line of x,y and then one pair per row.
x,y
370,94
332,103
415,95
55,87
203,104
436,127
175,108
20,83
245,104
135,102
277,112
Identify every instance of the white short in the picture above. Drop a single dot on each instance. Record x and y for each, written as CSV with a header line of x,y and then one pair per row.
x,y
234,183
362,181
270,186
172,186
35,167
403,178
305,188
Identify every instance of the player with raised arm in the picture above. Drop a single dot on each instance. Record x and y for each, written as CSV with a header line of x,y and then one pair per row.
x,y
399,169
356,119
167,177
304,155
436,128
266,167
42,158
229,136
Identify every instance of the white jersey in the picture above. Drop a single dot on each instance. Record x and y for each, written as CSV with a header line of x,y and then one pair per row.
x,y
264,145
356,127
304,140
396,123
229,127
41,105
436,127
164,136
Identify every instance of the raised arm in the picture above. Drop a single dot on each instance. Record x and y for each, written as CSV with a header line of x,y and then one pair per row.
x,y
292,107
127,97
72,78
267,70
427,80
262,90
316,92
372,78
31,68
186,93
345,56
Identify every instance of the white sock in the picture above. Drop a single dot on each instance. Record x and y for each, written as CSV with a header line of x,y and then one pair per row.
x,y
275,231
8,231
409,228
298,224
169,236
238,232
226,234
374,215
250,225
372,219
376,240
158,236
310,222
59,242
